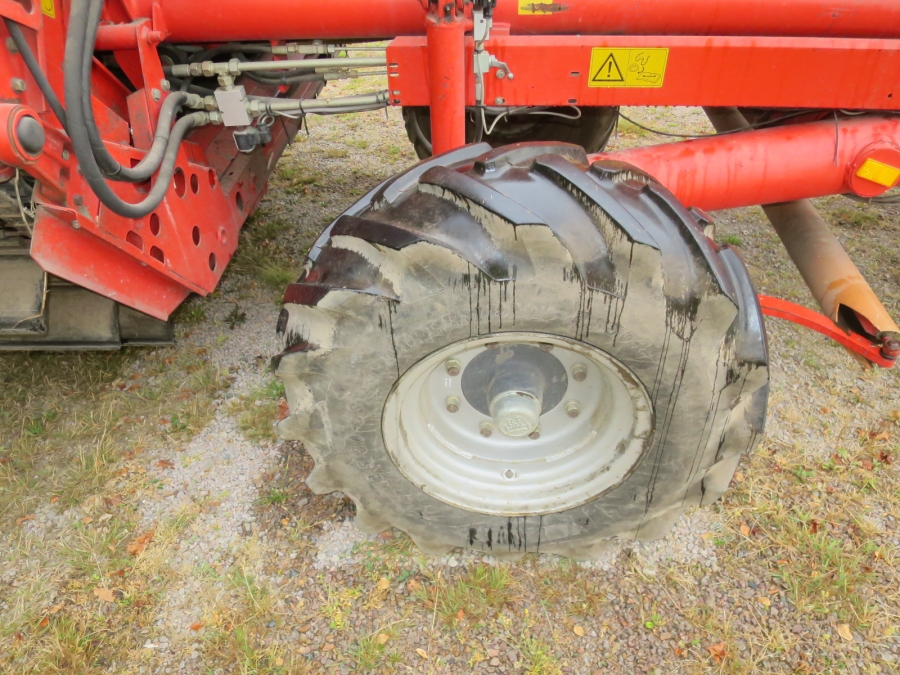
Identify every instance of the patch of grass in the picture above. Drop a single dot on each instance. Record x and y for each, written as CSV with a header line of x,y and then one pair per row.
x,y
338,605
260,257
574,589
256,414
731,240
474,596
371,651
190,312
336,153
273,497
539,658
855,217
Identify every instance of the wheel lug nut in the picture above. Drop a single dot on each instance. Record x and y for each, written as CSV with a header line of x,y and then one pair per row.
x,y
534,435
487,429
579,372
572,408
492,345
452,404
453,366
546,346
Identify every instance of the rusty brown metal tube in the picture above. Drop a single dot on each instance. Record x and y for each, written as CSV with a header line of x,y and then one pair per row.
x,y
828,271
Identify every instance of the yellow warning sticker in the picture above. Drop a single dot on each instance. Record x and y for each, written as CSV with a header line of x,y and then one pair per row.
x,y
530,7
875,171
627,67
49,8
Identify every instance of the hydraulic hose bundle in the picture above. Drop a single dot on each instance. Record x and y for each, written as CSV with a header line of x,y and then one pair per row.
x,y
77,119
94,159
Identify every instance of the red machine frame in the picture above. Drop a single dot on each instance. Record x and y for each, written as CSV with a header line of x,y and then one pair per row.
x,y
742,53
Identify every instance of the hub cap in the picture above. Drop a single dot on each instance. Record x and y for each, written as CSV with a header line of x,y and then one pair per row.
x,y
529,424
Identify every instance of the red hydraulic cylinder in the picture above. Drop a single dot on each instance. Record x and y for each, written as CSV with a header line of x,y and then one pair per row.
x,y
447,79
781,164
346,19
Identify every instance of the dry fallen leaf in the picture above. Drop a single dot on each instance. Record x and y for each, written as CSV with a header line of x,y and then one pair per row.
x,y
23,519
421,652
136,548
283,410
196,626
765,602
5,460
105,594
579,631
54,499
738,477
881,436
745,530
279,662
460,615
382,638
55,609
383,584
44,622
717,651
412,586
165,464
87,520
844,632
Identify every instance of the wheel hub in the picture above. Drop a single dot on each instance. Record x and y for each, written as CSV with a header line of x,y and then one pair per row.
x,y
517,423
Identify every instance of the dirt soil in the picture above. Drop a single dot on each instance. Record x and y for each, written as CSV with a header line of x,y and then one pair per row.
x,y
151,521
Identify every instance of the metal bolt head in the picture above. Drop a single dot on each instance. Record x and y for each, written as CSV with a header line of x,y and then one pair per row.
x,y
501,74
534,435
11,46
486,429
546,346
18,85
452,404
164,85
492,345
453,367
65,155
155,94
499,100
573,409
579,372
890,348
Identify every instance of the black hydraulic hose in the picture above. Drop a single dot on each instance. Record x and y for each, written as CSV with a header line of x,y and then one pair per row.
x,y
34,68
81,144
107,163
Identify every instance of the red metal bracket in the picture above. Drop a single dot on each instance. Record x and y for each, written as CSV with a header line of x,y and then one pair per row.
x,y
782,309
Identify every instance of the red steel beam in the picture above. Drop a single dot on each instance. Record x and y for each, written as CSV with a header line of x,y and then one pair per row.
x,y
447,81
771,165
335,19
711,71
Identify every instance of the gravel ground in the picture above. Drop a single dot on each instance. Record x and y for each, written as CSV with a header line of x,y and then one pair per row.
x,y
795,571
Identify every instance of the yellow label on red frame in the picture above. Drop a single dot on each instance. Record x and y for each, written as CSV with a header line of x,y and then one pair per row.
x,y
628,67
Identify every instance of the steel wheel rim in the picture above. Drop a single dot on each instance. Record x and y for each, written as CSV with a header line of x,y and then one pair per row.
x,y
573,459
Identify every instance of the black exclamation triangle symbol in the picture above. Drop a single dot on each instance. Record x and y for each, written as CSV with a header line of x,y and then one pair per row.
x,y
609,71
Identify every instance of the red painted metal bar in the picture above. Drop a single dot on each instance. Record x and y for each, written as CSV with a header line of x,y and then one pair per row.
x,y
335,19
771,165
713,71
782,309
447,80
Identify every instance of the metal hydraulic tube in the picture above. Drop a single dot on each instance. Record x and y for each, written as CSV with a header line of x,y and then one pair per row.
x,y
781,168
765,166
347,19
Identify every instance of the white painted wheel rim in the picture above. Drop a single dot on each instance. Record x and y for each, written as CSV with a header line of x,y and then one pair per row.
x,y
573,461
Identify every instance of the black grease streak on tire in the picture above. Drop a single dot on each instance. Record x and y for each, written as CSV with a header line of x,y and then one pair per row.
x,y
609,258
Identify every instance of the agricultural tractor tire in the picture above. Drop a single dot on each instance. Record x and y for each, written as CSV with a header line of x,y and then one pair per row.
x,y
591,130
510,351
